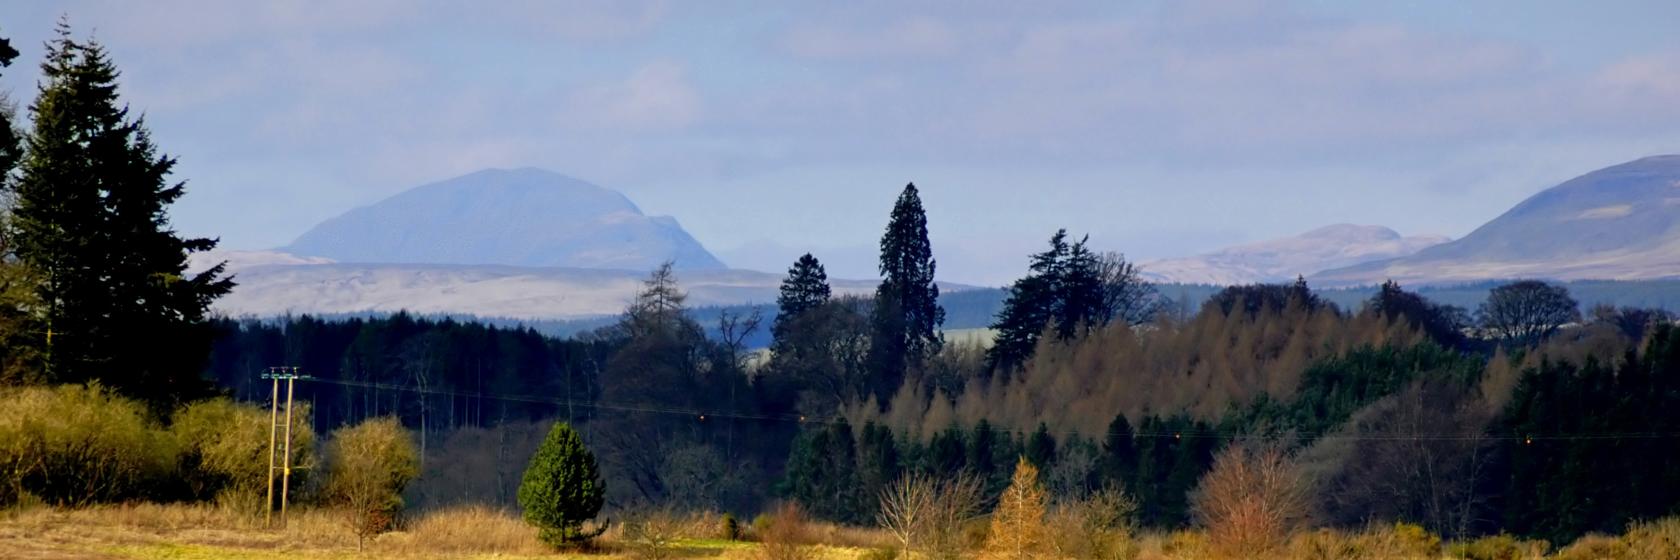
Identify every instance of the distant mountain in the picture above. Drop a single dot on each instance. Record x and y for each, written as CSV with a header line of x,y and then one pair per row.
x,y
1617,223
1279,260
518,217
483,290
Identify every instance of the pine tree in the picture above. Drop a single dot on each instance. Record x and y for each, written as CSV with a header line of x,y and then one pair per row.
x,y
804,289
92,220
1018,531
1030,308
907,316
1120,454
562,488
1041,447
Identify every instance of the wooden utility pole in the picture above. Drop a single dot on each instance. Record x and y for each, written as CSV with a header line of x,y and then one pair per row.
x,y
277,446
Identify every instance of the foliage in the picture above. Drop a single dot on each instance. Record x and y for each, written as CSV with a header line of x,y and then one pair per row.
x,y
804,289
1562,478
1018,529
1096,527
562,488
76,445
91,218
224,450
822,472
1525,312
369,464
1068,289
786,535
906,316
1497,547
1443,323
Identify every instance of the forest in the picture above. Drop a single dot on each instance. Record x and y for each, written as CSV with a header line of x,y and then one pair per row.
x,y
1525,418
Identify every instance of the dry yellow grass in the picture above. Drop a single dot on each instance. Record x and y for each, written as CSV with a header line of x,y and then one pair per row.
x,y
193,532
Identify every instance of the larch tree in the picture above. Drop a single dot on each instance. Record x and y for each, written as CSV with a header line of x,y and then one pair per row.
x,y
907,316
1018,531
91,218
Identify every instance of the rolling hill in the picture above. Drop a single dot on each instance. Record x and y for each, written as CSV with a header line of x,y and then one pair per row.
x,y
1617,223
1280,260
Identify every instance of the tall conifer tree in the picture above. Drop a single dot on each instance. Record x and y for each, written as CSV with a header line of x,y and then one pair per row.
x,y
92,219
907,315
804,289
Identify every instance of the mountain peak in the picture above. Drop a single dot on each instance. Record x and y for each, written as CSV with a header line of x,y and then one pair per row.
x,y
524,217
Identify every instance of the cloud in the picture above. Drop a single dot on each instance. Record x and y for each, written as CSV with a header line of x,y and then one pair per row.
x,y
918,37
657,95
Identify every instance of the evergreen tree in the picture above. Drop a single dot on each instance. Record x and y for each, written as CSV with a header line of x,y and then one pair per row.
x,y
91,218
10,145
1068,288
1120,454
982,448
947,453
878,462
907,316
562,488
804,289
1041,447
822,472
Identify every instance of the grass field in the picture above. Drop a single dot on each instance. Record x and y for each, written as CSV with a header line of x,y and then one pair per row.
x,y
193,532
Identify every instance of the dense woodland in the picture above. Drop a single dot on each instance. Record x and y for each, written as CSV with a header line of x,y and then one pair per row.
x,y
1523,415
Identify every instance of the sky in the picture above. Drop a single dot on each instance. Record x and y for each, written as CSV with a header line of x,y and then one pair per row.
x,y
769,129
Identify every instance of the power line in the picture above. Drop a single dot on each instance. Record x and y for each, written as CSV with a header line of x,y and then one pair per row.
x,y
703,415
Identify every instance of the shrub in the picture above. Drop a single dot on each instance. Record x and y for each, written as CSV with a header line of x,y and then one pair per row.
x,y
370,463
653,534
931,515
562,488
1599,547
787,535
1251,501
224,451
1098,527
729,528
1654,539
1498,547
73,445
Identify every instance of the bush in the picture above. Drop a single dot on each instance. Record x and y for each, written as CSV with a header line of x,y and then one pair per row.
x,y
1599,547
1098,527
370,463
562,488
74,445
653,534
1498,547
728,528
1251,501
1655,539
224,451
787,535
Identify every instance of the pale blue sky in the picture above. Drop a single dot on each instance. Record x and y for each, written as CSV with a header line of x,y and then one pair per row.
x,y
773,128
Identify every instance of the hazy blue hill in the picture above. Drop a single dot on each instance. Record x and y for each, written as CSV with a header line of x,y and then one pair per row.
x,y
1620,223
519,217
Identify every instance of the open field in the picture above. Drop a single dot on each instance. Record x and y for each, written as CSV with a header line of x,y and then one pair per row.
x,y
191,532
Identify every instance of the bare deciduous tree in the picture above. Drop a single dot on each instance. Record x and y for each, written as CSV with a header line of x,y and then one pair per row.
x,y
927,515
1252,500
1527,311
